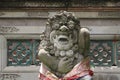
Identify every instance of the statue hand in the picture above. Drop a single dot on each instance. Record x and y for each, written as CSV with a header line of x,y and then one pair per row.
x,y
48,60
65,65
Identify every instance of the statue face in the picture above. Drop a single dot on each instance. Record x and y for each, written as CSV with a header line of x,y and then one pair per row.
x,y
63,38
62,32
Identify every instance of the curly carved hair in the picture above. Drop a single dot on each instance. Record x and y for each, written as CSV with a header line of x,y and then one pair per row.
x,y
62,18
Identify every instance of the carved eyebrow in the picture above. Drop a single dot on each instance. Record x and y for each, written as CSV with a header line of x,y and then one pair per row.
x,y
63,23
71,22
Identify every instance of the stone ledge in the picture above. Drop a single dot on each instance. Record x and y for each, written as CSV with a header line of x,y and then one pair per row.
x,y
45,15
21,69
113,69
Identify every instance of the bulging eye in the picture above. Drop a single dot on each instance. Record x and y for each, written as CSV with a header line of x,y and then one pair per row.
x,y
56,26
61,23
71,25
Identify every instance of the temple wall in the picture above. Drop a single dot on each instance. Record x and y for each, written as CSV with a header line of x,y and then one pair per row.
x,y
30,25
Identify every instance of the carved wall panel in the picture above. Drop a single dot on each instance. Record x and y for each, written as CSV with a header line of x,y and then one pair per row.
x,y
22,52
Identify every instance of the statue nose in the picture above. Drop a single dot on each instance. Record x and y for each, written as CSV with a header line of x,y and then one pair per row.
x,y
63,28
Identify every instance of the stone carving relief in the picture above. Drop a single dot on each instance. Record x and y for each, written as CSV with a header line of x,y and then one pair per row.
x,y
64,49
9,76
8,29
1,13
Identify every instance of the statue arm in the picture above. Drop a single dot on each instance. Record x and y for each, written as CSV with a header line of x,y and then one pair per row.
x,y
48,60
84,41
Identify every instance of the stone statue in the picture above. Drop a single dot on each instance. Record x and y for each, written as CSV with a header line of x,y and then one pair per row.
x,y
64,49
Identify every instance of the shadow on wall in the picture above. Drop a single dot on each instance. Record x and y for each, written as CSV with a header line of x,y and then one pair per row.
x,y
105,77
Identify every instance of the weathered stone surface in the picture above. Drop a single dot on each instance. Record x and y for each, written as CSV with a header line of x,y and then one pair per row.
x,y
54,3
45,15
66,45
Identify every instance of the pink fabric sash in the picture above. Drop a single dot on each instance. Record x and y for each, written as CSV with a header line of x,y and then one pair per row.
x,y
79,70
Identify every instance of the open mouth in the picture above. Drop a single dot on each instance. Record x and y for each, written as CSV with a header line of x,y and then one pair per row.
x,y
63,39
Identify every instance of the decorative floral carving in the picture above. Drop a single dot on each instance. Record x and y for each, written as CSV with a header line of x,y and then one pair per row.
x,y
8,29
1,13
9,76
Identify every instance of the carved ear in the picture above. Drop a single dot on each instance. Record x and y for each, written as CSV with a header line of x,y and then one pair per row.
x,y
84,41
52,36
75,37
48,29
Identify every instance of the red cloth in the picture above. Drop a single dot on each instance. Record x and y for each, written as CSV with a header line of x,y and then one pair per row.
x,y
79,70
43,77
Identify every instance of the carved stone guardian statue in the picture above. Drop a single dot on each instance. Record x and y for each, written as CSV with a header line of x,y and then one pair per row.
x,y
64,49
